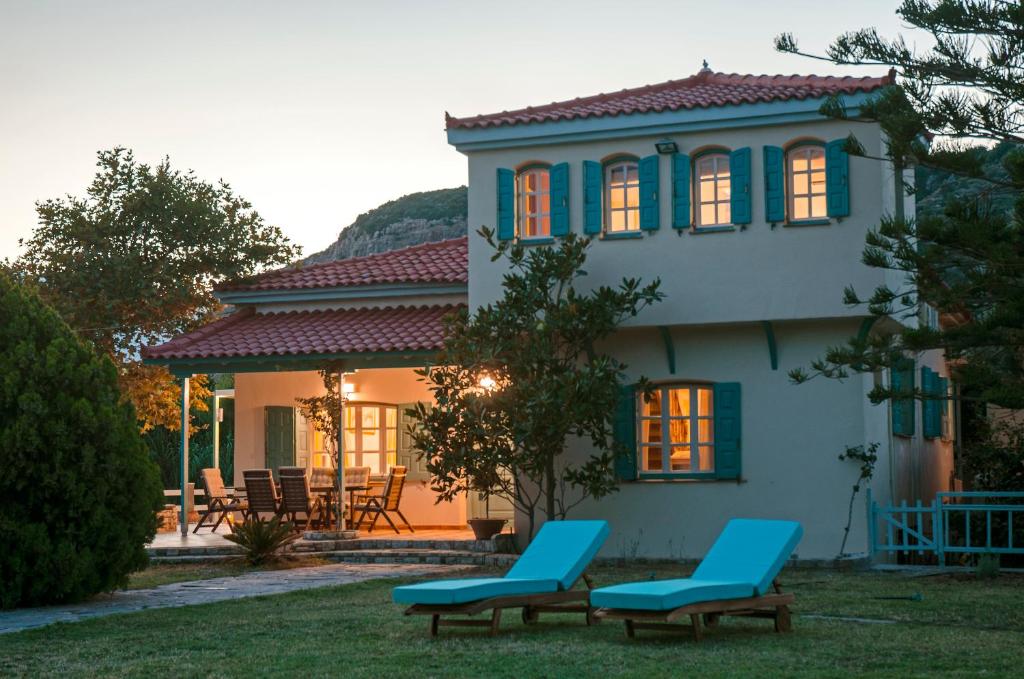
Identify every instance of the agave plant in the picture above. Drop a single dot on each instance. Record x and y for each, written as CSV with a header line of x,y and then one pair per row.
x,y
260,540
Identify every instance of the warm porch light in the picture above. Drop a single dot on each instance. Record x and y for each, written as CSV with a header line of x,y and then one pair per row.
x,y
487,383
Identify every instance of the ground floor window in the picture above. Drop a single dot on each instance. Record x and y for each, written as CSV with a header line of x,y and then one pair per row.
x,y
371,436
676,427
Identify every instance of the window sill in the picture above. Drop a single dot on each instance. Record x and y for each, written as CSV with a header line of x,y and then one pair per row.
x,y
621,235
540,240
809,222
725,228
681,478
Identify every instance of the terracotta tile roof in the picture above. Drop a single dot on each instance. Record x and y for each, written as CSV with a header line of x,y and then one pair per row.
x,y
706,89
297,333
443,261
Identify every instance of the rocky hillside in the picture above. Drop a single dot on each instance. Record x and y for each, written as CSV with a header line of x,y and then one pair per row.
x,y
935,188
409,220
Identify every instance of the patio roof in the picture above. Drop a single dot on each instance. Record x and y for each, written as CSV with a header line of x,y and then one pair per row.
x,y
247,341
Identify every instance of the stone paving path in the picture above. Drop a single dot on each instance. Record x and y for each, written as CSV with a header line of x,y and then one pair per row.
x,y
213,590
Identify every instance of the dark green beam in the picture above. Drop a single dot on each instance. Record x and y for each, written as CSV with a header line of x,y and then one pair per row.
x,y
773,350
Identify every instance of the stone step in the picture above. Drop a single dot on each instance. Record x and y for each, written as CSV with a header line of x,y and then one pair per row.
x,y
165,552
419,556
316,545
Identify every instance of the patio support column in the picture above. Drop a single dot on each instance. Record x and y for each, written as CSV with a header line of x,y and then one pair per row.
x,y
342,524
216,431
184,454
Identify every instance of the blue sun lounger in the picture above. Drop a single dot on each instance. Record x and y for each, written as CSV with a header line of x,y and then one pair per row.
x,y
542,579
738,576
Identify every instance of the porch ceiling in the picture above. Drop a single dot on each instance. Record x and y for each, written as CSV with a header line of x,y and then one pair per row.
x,y
247,341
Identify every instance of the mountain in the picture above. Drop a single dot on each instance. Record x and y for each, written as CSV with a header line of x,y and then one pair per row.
x,y
935,188
409,220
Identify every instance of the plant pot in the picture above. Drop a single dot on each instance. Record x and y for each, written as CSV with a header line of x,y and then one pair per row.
x,y
485,529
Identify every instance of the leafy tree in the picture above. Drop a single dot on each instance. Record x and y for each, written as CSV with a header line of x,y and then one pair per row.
x,y
78,493
520,376
966,261
324,412
135,261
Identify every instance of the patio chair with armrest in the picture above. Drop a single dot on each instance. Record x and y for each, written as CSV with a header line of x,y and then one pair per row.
x,y
261,493
738,576
387,501
541,580
296,498
218,502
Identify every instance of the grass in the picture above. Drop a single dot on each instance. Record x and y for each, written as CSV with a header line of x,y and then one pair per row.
x,y
960,627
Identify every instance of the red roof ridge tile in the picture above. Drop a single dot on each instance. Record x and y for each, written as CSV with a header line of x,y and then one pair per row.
x,y
618,103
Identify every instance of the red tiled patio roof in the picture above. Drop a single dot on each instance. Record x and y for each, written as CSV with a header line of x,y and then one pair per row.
x,y
246,333
443,261
706,89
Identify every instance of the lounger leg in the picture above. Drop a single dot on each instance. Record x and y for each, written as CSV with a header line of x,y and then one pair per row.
x,y
783,619
695,623
495,621
435,621
630,631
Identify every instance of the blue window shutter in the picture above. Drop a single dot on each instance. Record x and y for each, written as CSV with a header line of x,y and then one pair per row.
x,y
902,380
624,433
727,430
774,184
680,191
649,213
506,204
837,179
560,199
593,183
931,413
739,173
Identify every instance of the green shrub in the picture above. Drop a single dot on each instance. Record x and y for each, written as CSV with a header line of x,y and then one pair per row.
x,y
262,541
77,489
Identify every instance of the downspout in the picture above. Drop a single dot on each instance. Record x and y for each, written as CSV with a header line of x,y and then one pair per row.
x,y
184,454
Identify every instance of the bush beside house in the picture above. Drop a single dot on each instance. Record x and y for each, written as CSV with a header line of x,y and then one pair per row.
x,y
78,491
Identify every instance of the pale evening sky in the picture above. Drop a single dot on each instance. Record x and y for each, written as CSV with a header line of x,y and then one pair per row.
x,y
316,111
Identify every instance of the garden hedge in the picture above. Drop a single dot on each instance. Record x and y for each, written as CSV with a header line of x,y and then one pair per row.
x,y
78,491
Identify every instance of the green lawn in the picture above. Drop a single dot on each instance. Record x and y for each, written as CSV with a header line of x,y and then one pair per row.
x,y
961,627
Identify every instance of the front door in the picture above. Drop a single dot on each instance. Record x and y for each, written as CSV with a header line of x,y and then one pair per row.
x,y
279,437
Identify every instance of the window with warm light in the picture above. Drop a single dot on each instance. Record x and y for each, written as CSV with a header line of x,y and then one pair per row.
x,y
534,186
806,179
371,436
622,196
676,430
713,190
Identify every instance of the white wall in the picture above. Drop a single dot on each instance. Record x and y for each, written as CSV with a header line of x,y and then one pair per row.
x,y
254,391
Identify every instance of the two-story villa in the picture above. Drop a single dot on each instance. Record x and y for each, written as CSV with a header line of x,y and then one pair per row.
x,y
737,193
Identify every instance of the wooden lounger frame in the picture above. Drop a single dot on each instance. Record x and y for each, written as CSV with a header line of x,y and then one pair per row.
x,y
774,606
570,601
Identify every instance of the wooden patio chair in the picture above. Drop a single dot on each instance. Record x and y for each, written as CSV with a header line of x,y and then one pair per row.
x,y
218,502
541,580
297,499
387,501
261,493
738,576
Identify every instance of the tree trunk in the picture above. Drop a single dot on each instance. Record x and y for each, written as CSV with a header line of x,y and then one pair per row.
x,y
549,488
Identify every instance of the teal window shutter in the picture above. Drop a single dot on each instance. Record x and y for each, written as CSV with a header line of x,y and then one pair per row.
x,y
593,183
649,213
902,381
944,405
740,198
680,191
624,433
727,430
931,408
560,199
506,204
774,184
837,179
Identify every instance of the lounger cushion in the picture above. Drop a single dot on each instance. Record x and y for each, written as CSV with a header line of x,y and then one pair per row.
x,y
561,550
666,595
750,551
441,592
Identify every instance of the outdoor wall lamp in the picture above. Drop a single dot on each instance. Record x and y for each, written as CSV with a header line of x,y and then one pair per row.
x,y
666,146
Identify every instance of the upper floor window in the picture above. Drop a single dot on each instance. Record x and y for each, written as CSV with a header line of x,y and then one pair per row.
x,y
534,202
806,180
622,196
677,430
713,190
371,436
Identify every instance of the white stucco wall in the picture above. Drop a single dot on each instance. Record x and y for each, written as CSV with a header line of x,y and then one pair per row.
x,y
254,391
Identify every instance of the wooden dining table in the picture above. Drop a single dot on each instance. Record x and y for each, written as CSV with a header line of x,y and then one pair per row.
x,y
329,497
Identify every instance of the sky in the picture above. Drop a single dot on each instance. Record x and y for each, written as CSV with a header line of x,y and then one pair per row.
x,y
316,111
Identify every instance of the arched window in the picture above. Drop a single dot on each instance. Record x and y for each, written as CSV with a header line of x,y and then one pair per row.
x,y
534,202
805,175
622,196
713,190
